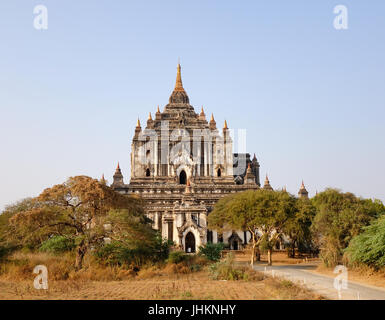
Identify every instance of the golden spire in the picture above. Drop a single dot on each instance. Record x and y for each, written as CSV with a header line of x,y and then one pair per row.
x,y
157,110
225,125
118,167
202,112
138,123
149,116
212,117
178,83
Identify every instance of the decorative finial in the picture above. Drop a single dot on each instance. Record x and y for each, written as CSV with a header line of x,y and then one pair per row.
x,y
138,123
118,167
302,185
225,125
178,83
202,112
149,116
157,110
212,118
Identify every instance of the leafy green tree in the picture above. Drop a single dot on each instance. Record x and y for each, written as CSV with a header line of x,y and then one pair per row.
x,y
58,245
80,209
212,251
339,218
123,253
263,213
369,246
298,229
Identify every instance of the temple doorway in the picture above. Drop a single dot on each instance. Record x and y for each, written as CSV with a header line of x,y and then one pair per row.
x,y
190,243
182,177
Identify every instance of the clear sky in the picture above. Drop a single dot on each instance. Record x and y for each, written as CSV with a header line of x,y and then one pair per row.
x,y
311,97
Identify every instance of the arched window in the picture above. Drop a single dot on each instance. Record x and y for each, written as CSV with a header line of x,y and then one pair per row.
x,y
182,177
190,243
148,173
219,172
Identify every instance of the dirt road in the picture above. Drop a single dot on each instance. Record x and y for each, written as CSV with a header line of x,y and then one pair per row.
x,y
324,285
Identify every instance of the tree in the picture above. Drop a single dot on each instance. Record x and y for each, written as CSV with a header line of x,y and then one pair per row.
x,y
339,218
78,209
264,213
369,246
7,244
298,228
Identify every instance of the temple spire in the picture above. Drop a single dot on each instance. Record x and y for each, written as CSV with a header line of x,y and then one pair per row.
x,y
225,125
267,185
212,123
178,83
179,95
202,115
303,193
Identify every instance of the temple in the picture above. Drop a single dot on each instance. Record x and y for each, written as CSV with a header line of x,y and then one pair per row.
x,y
181,165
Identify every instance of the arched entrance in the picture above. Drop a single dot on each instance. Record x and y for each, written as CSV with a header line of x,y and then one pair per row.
x,y
190,243
235,241
182,177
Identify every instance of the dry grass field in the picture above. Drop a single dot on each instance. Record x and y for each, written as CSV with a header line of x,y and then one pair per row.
x,y
167,282
187,286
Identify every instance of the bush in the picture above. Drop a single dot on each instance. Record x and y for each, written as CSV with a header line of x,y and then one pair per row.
x,y
212,251
58,245
118,253
177,257
226,270
6,250
369,247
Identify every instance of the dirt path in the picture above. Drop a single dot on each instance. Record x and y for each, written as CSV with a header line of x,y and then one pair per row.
x,y
322,284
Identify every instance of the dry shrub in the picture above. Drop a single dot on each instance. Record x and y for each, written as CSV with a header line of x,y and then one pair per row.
x,y
148,273
20,266
284,289
98,273
180,268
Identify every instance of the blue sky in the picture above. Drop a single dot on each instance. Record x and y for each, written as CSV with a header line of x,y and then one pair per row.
x,y
311,97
